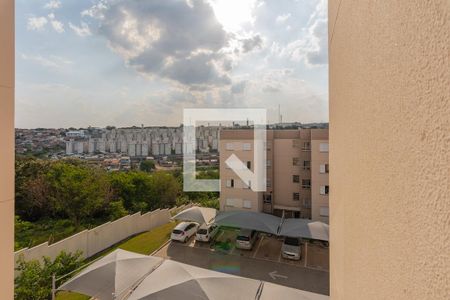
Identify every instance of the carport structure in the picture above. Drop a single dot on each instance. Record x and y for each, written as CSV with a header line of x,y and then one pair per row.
x,y
302,228
299,228
249,220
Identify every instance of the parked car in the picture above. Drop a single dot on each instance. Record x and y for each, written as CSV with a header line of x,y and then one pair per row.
x,y
246,238
206,232
291,248
183,231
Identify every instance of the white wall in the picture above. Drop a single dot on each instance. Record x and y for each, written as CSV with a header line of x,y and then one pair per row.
x,y
92,241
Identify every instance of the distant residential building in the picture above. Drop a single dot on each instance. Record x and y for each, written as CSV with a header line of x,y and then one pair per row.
x,y
75,134
140,142
297,173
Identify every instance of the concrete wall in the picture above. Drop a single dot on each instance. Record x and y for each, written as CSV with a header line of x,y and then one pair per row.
x,y
317,180
101,237
389,149
6,148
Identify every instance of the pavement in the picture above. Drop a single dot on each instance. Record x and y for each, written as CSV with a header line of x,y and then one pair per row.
x,y
263,262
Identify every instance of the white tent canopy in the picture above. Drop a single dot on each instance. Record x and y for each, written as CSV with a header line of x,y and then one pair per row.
x,y
305,229
115,273
249,220
197,214
173,280
138,277
272,291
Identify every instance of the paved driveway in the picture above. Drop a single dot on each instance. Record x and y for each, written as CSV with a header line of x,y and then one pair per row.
x,y
249,264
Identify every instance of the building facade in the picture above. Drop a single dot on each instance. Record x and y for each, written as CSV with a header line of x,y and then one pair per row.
x,y
297,173
389,67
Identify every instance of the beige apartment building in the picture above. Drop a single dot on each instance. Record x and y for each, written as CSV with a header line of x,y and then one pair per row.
x,y
297,173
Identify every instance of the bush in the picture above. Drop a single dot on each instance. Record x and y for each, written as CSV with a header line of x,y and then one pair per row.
x,y
35,279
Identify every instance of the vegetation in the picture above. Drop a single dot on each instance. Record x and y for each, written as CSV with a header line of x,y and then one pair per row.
x,y
35,279
148,242
147,166
55,199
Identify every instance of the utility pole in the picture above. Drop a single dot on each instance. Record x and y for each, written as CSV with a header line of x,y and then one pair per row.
x,y
53,287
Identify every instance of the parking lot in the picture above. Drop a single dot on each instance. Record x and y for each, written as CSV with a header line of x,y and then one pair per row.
x,y
263,262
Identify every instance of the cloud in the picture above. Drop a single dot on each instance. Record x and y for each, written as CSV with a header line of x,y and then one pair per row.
x,y
252,43
318,55
177,40
239,87
57,25
36,23
96,11
282,18
51,61
53,4
82,30
312,48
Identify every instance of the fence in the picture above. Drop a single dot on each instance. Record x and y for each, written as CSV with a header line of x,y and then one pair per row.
x,y
92,241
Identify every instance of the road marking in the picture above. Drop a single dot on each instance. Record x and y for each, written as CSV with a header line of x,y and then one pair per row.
x,y
306,254
274,275
259,245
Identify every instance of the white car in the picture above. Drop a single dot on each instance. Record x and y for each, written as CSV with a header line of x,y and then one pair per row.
x,y
246,238
183,231
206,232
291,248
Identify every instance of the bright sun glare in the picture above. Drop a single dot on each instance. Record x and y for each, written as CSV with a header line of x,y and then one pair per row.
x,y
232,14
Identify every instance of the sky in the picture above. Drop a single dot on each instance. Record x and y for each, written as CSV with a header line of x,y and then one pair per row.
x,y
86,63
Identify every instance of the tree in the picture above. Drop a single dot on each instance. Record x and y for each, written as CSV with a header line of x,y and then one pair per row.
x,y
141,191
31,188
117,210
147,166
78,192
35,279
164,190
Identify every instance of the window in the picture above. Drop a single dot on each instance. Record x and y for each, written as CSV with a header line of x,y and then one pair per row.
x,y
296,196
306,146
306,165
324,168
247,146
268,145
233,202
268,163
296,178
323,147
306,183
324,211
295,161
247,204
229,146
307,203
268,183
249,165
229,202
230,183
324,189
267,198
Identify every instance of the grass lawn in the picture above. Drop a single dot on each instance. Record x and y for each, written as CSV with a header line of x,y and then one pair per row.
x,y
144,243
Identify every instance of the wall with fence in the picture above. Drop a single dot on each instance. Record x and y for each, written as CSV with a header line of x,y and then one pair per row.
x,y
94,240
